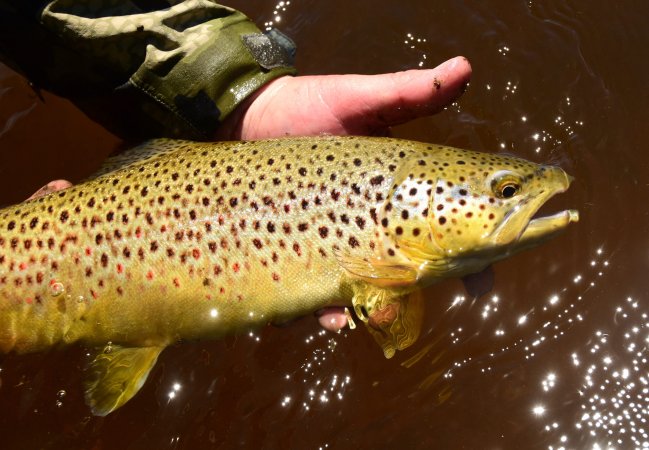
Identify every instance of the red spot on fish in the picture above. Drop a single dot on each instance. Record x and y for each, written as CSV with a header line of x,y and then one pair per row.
x,y
196,253
235,267
29,301
222,290
138,232
22,266
88,251
149,275
275,276
94,294
120,268
176,282
52,282
221,220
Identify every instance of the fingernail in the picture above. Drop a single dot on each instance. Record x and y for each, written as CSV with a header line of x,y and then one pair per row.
x,y
45,190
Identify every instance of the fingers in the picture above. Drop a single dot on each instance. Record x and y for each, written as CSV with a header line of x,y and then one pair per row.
x,y
332,318
50,187
346,104
381,101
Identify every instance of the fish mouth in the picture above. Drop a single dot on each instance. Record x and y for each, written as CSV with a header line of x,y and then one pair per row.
x,y
537,229
543,228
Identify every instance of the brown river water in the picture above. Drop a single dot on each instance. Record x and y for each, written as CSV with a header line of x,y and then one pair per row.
x,y
555,356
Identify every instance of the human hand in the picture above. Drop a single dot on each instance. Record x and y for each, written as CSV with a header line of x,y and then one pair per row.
x,y
346,104
50,187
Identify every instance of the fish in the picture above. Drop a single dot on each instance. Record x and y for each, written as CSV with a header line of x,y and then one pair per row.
x,y
178,241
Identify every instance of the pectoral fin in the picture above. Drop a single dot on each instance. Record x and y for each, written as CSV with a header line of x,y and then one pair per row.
x,y
393,320
376,271
116,374
479,284
396,325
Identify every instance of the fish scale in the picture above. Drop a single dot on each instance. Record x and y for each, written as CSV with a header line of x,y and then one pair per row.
x,y
182,240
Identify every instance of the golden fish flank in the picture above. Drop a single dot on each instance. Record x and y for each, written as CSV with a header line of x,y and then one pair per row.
x,y
183,240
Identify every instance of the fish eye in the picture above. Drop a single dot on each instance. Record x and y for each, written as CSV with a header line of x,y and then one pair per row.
x,y
508,190
506,184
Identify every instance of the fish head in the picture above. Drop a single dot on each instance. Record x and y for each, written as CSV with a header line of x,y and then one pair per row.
x,y
458,211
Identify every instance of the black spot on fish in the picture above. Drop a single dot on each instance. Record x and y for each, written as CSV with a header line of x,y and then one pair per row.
x,y
376,180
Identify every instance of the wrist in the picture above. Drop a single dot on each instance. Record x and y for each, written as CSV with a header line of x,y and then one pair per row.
x,y
240,123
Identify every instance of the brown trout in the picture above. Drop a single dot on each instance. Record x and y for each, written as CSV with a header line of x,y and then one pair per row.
x,y
183,240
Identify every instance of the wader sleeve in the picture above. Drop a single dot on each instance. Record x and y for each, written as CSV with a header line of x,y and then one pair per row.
x,y
143,68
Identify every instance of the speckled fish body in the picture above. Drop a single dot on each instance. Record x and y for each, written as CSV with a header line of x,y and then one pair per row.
x,y
185,240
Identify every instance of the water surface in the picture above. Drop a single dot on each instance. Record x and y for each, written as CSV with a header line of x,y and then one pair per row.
x,y
554,357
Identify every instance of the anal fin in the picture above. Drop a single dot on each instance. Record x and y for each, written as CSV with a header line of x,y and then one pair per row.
x,y
116,374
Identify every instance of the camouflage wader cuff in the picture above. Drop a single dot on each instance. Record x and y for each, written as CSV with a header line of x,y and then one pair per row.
x,y
201,88
174,71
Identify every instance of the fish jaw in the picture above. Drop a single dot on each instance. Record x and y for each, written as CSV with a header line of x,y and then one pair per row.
x,y
489,227
520,229
543,228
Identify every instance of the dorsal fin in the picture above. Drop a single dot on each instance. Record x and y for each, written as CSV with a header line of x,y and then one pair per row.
x,y
137,155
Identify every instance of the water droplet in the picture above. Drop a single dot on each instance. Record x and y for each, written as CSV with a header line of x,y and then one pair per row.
x,y
61,394
59,403
57,289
